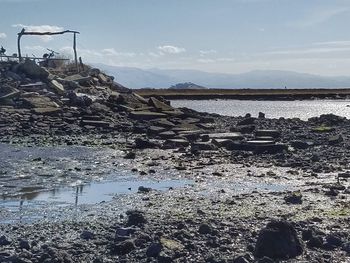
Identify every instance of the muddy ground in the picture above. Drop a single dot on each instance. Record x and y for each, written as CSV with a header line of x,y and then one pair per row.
x,y
215,213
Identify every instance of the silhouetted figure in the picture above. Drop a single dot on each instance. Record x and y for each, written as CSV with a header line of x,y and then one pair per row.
x,y
2,52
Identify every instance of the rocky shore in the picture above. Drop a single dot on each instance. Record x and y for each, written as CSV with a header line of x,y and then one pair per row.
x,y
262,190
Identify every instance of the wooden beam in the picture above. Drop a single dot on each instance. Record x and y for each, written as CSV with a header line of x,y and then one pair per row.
x,y
47,33
75,52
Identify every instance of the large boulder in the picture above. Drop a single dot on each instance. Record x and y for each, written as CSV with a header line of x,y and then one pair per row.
x,y
32,70
278,240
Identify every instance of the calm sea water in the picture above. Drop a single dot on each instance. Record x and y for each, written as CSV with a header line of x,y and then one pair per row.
x,y
303,109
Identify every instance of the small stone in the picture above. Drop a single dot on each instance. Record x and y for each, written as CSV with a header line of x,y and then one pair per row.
x,y
346,247
4,241
24,244
294,198
143,189
87,235
334,240
124,247
135,218
205,229
154,250
261,115
130,155
315,242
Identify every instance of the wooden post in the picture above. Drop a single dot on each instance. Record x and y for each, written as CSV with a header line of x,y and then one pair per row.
x,y
81,64
20,34
75,52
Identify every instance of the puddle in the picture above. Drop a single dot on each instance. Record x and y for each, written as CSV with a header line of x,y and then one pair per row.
x,y
33,206
87,194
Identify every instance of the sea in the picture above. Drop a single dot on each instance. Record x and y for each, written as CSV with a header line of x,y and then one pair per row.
x,y
302,109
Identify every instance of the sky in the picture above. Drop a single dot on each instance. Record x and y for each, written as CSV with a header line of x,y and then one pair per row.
x,y
228,36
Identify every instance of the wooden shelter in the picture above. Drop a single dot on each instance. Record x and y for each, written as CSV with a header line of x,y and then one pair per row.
x,y
23,32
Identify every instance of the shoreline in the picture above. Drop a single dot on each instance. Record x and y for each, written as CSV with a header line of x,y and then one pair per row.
x,y
245,94
210,220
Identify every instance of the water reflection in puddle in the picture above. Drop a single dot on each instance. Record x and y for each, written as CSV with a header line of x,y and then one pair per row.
x,y
92,193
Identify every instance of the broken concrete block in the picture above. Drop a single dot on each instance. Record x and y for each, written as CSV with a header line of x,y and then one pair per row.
x,y
270,133
161,106
226,135
146,115
58,87
31,69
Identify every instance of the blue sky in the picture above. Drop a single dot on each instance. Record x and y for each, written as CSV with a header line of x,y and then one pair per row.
x,y
230,36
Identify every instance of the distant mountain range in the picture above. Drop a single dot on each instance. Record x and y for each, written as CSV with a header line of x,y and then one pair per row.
x,y
159,78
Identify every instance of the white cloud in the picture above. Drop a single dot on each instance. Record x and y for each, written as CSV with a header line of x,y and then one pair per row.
x,y
306,51
171,49
40,28
333,43
206,60
113,52
3,35
319,16
207,52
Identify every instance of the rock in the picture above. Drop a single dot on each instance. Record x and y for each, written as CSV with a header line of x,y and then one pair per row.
x,y
104,79
24,244
307,234
346,247
146,115
161,106
334,240
227,135
167,135
154,250
205,229
269,133
130,155
124,247
171,245
155,130
278,240
174,143
203,146
335,139
39,102
299,144
294,198
315,241
144,144
245,129
143,189
261,115
31,69
87,235
163,123
4,241
8,92
102,124
78,78
222,142
58,87
246,121
135,218
94,72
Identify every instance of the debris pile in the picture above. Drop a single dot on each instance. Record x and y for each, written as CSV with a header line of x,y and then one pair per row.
x,y
38,100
